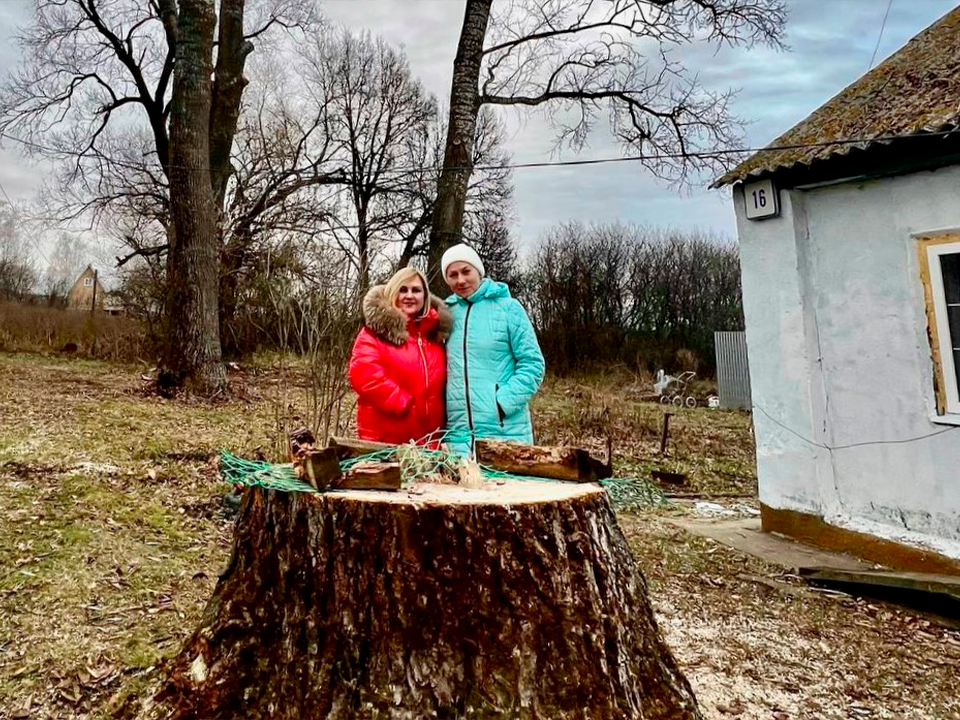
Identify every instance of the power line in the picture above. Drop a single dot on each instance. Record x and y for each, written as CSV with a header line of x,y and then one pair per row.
x,y
568,163
814,443
880,36
719,152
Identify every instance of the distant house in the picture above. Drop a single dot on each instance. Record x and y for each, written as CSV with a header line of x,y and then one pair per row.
x,y
850,251
86,291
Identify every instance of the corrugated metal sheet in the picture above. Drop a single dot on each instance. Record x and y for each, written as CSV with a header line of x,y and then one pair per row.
x,y
733,372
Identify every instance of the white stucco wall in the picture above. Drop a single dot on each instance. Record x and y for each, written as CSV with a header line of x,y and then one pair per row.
x,y
836,335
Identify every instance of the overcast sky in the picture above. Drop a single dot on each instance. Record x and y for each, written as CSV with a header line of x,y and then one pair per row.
x,y
831,43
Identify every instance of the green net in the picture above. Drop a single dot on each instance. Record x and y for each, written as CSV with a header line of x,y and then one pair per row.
x,y
272,476
420,462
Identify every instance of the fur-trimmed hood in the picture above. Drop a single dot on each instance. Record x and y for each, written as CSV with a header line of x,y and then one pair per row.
x,y
390,324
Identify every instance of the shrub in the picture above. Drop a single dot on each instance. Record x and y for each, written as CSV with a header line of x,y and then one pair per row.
x,y
37,328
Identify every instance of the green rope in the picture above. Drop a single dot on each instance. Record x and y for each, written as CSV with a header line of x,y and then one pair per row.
x,y
418,462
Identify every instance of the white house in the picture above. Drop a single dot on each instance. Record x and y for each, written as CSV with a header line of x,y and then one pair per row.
x,y
849,230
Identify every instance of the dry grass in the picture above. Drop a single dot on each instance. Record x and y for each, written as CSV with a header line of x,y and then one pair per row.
x,y
36,328
111,528
112,534
714,448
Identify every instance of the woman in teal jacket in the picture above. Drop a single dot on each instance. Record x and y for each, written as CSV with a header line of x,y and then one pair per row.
x,y
494,362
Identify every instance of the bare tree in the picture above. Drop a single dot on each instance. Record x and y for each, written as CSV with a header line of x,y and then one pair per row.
x,y
94,69
280,194
192,348
18,274
66,261
493,243
388,140
581,59
488,209
382,116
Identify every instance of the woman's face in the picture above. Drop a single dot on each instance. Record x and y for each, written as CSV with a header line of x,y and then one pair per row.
x,y
462,278
410,297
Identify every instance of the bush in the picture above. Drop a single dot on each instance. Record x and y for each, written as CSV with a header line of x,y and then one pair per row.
x,y
36,328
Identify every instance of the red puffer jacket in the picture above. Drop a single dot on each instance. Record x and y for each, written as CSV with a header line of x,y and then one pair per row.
x,y
399,371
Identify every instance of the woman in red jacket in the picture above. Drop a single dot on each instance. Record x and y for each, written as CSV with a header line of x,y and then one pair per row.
x,y
399,366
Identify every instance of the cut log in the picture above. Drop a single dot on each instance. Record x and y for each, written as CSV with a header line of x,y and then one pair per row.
x,y
316,467
369,476
320,468
558,463
518,601
351,447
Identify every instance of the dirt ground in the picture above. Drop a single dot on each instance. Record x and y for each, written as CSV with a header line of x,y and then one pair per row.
x,y
113,531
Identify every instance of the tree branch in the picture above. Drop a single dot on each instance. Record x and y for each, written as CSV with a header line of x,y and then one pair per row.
x,y
141,252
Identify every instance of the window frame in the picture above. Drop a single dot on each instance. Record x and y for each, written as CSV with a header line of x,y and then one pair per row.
x,y
88,282
946,383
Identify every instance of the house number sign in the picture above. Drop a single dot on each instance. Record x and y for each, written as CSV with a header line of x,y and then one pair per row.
x,y
762,200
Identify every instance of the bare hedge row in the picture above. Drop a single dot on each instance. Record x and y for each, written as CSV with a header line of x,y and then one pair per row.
x,y
642,296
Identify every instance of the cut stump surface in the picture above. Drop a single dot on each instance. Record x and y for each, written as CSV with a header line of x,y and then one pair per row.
x,y
516,600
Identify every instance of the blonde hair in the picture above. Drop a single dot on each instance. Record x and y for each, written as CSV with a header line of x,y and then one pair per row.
x,y
401,276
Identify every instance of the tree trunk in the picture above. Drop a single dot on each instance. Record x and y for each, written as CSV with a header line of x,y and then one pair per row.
x,y
518,600
232,260
192,356
447,223
363,255
232,52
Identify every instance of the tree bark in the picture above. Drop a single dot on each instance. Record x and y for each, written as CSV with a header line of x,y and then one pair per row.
x,y
448,210
519,600
192,356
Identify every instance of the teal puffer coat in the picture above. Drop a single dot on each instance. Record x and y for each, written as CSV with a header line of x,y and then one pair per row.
x,y
494,366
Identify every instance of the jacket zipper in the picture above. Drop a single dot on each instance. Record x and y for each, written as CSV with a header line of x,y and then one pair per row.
x,y
426,380
496,403
466,375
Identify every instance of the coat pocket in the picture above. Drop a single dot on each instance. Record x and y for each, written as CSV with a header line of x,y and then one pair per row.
x,y
500,413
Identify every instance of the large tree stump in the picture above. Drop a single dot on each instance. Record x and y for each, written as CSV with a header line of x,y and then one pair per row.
x,y
520,599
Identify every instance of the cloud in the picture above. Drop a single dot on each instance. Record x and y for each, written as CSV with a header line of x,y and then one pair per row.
x,y
831,42
427,30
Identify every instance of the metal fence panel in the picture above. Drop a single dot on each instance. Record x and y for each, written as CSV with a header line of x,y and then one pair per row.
x,y
733,372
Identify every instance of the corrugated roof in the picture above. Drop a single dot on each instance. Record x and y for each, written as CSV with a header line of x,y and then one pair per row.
x,y
916,90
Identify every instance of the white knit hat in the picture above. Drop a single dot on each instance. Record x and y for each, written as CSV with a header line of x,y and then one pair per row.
x,y
461,253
